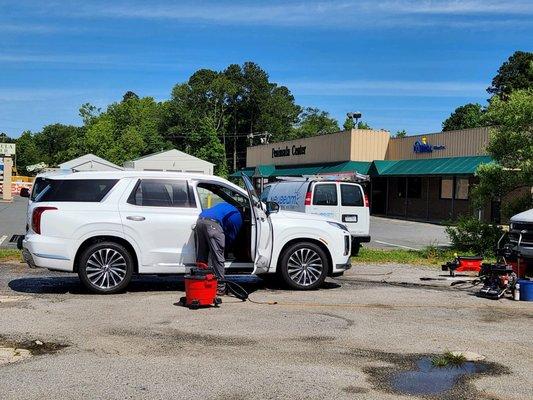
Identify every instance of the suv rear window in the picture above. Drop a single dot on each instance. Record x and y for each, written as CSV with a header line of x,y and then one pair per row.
x,y
76,190
351,196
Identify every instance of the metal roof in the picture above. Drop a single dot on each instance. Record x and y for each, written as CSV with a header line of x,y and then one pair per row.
x,y
429,166
267,171
426,166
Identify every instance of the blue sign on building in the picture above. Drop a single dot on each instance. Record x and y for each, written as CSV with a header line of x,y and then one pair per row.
x,y
422,146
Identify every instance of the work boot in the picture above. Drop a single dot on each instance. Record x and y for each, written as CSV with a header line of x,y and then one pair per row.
x,y
221,290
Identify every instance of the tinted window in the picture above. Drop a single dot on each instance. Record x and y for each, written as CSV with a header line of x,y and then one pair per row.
x,y
351,196
210,195
79,190
38,186
325,195
161,193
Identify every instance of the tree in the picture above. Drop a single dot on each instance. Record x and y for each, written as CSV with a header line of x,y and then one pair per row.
x,y
130,95
88,112
363,125
204,143
58,143
470,115
514,74
28,153
313,121
348,124
401,134
5,139
126,130
238,101
510,144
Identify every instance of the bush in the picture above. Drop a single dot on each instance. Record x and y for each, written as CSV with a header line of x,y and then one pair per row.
x,y
470,234
516,206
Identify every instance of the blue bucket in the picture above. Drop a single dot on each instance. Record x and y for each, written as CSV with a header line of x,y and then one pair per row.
x,y
526,289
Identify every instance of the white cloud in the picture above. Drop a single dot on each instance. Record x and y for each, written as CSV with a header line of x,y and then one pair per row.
x,y
387,88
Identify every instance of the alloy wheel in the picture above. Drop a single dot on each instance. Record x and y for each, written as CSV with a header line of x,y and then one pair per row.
x,y
106,268
305,266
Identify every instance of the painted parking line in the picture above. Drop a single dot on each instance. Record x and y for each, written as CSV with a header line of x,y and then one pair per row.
x,y
2,238
396,245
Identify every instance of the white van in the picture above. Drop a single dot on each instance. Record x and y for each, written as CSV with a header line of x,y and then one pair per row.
x,y
344,202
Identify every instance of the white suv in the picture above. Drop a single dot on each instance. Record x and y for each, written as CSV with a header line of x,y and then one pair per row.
x,y
107,226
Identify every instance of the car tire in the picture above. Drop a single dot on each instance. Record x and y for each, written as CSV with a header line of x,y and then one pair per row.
x,y
304,266
105,267
355,247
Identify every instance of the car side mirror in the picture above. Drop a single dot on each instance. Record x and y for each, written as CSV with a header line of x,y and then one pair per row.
x,y
24,192
272,207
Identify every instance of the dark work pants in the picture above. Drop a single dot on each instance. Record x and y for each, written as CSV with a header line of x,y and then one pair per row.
x,y
210,245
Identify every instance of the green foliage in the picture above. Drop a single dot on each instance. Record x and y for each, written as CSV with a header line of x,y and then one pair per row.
x,y
401,134
511,145
430,256
468,116
516,206
313,121
363,125
470,234
58,143
448,359
514,74
28,153
5,139
204,143
348,124
10,255
237,101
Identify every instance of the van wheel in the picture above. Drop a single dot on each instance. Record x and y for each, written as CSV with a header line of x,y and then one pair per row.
x,y
304,266
105,267
355,247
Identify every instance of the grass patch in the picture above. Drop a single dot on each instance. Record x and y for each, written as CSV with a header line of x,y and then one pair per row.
x,y
431,255
10,255
448,359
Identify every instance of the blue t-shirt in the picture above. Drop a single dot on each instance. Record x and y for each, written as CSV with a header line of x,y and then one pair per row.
x,y
228,217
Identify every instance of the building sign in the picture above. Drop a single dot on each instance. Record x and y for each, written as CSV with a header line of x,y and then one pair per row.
x,y
288,151
7,149
422,146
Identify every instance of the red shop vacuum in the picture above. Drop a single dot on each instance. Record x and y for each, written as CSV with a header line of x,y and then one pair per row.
x,y
200,289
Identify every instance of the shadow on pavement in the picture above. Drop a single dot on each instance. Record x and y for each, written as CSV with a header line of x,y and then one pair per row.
x,y
71,284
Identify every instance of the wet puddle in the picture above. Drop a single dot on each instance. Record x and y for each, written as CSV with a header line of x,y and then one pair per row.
x,y
428,379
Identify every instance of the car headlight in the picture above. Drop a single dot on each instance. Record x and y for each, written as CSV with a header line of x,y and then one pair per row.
x,y
340,226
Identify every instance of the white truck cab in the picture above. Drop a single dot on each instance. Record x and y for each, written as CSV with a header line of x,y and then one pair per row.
x,y
341,201
107,226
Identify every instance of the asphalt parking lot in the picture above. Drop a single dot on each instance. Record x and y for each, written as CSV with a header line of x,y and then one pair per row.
x,y
337,342
12,219
386,233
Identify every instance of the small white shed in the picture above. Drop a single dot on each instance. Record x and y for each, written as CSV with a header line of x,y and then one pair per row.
x,y
171,160
89,162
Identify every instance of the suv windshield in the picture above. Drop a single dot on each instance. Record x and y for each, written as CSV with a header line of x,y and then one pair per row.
x,y
77,190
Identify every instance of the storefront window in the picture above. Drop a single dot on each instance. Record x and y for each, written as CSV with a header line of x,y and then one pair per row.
x,y
446,188
461,188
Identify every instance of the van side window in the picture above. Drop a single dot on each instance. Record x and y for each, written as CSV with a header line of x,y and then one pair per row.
x,y
161,193
351,196
325,195
73,190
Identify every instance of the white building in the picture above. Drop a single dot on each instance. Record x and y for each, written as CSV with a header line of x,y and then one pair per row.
x,y
170,160
89,162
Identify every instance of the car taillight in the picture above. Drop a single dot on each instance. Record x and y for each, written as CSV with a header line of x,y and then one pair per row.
x,y
307,199
36,218
367,204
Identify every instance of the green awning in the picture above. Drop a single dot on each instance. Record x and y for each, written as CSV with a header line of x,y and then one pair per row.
x,y
429,166
267,171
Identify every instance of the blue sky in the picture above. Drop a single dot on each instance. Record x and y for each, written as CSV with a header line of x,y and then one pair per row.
x,y
404,64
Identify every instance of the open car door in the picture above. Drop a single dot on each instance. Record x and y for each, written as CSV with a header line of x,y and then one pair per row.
x,y
262,227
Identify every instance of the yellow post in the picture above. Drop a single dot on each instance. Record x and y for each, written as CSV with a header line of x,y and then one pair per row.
x,y
8,168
